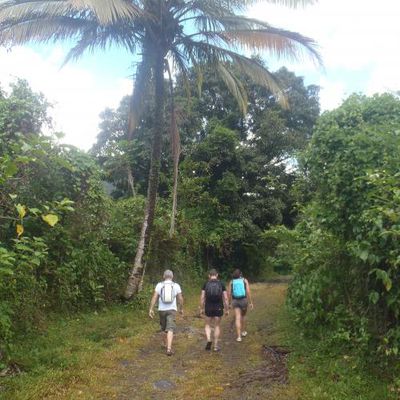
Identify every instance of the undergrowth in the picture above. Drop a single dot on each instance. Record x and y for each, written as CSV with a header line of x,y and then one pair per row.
x,y
323,370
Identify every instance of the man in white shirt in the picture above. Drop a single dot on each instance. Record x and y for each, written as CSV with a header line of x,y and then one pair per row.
x,y
167,292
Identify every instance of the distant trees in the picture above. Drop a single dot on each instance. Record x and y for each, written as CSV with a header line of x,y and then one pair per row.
x,y
236,171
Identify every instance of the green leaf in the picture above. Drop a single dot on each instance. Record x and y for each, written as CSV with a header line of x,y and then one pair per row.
x,y
51,219
13,196
6,271
34,211
374,297
364,255
10,168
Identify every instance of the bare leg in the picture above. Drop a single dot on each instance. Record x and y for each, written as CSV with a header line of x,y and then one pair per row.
x,y
238,320
207,329
170,335
217,331
243,322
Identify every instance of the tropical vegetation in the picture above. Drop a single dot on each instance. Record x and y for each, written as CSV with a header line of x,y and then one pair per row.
x,y
188,33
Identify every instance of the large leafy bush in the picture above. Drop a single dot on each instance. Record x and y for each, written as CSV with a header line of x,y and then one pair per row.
x,y
346,252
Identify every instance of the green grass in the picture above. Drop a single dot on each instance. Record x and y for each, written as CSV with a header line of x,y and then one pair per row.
x,y
322,371
80,351
79,357
67,349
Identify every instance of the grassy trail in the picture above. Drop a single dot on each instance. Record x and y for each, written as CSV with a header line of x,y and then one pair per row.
x,y
197,374
117,355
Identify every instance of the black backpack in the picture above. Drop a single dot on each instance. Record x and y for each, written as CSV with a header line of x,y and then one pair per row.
x,y
213,291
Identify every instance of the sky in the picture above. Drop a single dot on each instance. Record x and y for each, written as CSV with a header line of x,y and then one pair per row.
x,y
358,41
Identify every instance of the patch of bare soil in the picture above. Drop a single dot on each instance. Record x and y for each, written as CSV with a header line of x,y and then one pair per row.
x,y
272,371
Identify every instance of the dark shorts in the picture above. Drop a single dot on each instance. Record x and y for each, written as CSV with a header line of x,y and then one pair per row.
x,y
214,310
240,303
167,320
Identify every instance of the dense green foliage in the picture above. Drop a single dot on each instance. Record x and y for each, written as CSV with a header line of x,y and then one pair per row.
x,y
234,182
345,250
65,245
54,218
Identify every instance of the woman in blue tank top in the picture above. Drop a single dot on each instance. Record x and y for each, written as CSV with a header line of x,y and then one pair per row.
x,y
240,298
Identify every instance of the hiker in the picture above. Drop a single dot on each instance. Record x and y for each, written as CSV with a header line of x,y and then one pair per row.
x,y
240,298
212,301
167,292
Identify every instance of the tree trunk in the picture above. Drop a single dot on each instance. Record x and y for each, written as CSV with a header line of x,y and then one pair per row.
x,y
136,273
131,181
176,151
174,197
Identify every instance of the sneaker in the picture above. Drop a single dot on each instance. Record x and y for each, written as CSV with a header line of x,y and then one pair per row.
x,y
208,346
169,352
239,339
244,333
216,349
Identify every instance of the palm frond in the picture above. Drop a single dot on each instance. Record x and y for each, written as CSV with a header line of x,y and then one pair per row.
x,y
261,76
104,11
108,11
209,53
139,94
43,30
20,9
278,42
234,86
101,37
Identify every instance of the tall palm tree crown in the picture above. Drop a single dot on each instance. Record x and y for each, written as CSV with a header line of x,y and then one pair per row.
x,y
188,33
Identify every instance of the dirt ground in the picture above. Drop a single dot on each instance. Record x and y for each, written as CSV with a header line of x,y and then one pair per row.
x,y
252,369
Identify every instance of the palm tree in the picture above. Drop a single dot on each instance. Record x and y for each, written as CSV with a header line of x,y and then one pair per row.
x,y
186,33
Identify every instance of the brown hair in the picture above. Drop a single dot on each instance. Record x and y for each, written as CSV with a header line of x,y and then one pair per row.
x,y
213,272
236,273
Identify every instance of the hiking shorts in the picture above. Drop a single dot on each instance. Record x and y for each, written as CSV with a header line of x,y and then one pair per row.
x,y
240,303
214,310
167,320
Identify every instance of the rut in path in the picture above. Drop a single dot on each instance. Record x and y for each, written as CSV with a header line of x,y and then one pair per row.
x,y
252,369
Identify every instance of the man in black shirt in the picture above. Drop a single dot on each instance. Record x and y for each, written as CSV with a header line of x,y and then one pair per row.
x,y
212,301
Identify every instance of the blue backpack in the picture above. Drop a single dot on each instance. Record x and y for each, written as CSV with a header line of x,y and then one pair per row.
x,y
238,288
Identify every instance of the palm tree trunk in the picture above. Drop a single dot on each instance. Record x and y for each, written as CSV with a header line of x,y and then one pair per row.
x,y
176,150
136,273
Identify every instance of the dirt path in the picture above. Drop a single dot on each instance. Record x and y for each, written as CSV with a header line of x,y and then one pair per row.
x,y
240,371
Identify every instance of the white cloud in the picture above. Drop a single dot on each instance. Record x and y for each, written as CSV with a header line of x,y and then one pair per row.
x,y
358,41
78,95
332,94
357,38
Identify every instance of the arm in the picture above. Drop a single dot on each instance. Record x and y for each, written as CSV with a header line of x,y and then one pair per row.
x,y
226,301
246,282
202,301
230,292
180,302
152,304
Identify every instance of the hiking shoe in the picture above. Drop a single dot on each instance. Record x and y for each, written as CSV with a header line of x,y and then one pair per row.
x,y
208,346
244,333
169,352
239,339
